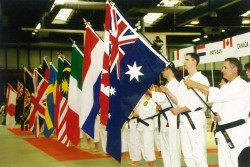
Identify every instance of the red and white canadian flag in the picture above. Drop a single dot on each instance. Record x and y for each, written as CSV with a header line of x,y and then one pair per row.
x,y
228,42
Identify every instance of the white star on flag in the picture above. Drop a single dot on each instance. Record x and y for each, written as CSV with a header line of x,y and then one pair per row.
x,y
109,115
112,91
134,71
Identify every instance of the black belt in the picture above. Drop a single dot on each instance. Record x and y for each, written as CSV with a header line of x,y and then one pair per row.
x,y
188,117
230,125
139,120
162,112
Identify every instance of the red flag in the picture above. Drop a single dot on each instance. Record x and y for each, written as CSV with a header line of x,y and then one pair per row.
x,y
228,42
61,104
104,92
10,107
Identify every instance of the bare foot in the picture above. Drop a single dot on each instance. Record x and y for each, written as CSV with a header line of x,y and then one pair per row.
x,y
134,163
95,150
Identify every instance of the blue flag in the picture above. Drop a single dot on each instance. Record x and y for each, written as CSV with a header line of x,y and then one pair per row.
x,y
134,66
51,96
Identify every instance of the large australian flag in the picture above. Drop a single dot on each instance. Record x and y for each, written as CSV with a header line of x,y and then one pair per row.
x,y
134,66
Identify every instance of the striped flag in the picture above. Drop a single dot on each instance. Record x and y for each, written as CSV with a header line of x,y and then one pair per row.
x,y
201,50
62,100
92,68
74,94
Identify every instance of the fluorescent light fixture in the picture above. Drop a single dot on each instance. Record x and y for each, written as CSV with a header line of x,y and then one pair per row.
x,y
247,14
245,21
150,18
38,27
63,16
60,2
196,21
169,3
196,39
189,25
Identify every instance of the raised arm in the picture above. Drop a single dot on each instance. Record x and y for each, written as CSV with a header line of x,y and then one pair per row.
x,y
192,84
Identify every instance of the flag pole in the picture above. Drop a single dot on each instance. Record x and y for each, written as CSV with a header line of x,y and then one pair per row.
x,y
212,73
72,40
85,21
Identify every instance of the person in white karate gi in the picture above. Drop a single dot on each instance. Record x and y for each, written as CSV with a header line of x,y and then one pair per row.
x,y
134,139
190,113
247,68
145,111
169,133
232,131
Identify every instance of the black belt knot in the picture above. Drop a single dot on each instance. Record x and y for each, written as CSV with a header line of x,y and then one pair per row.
x,y
162,112
188,117
230,125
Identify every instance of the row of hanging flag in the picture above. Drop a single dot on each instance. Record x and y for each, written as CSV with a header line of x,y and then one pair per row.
x,y
109,78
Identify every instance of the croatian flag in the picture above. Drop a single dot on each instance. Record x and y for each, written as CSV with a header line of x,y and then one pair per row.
x,y
134,66
91,75
104,91
201,50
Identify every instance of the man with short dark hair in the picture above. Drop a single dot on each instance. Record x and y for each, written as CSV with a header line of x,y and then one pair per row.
x,y
232,132
190,113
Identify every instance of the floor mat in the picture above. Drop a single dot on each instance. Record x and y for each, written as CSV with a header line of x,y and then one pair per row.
x,y
19,132
60,152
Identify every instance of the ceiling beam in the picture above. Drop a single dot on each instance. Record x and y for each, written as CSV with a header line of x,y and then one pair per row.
x,y
202,10
83,5
160,9
102,32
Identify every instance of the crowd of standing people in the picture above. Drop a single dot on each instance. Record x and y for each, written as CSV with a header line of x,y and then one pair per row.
x,y
170,118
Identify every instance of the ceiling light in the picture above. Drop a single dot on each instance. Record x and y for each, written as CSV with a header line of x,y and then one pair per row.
x,y
245,21
150,18
196,39
223,30
169,3
205,36
247,14
196,21
63,16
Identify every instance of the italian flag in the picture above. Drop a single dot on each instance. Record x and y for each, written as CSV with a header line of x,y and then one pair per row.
x,y
74,96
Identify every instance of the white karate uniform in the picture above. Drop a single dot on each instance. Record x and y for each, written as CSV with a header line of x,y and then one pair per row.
x,y
146,132
103,135
157,140
234,100
169,136
97,129
134,141
124,134
193,142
